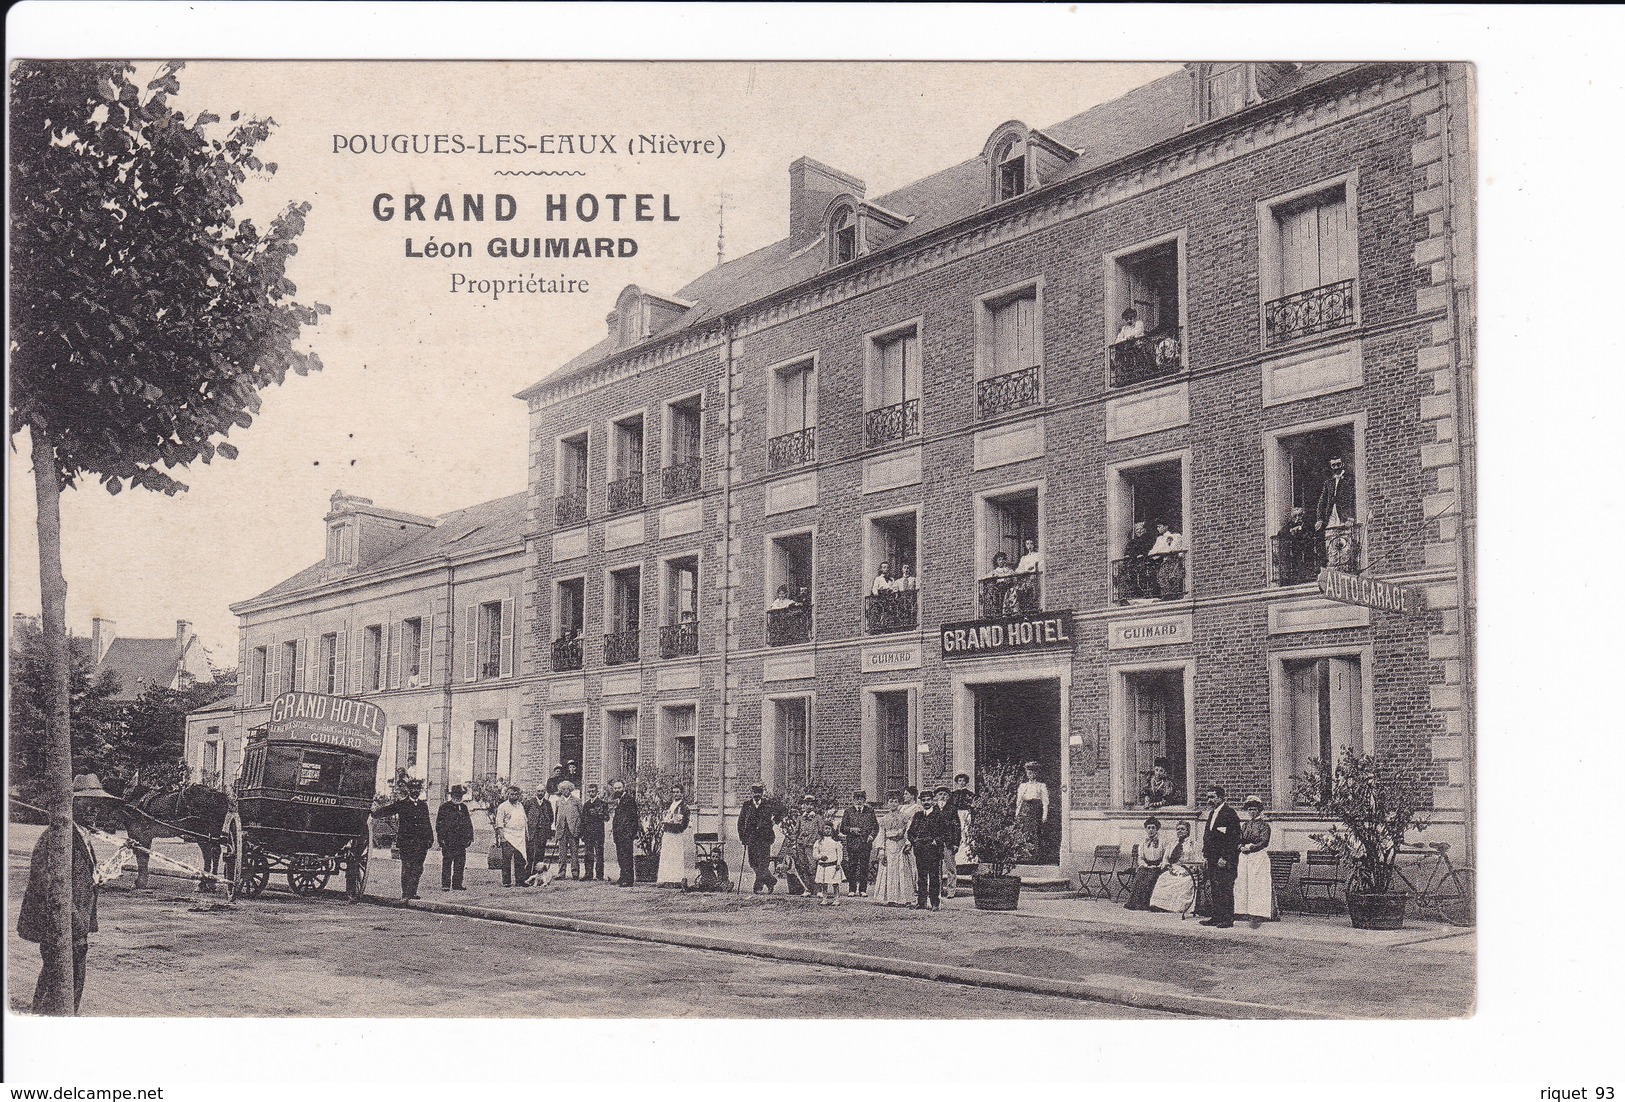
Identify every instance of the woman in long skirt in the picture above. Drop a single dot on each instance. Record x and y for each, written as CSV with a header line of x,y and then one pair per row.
x,y
1175,889
1255,895
676,842
1032,808
894,885
1148,868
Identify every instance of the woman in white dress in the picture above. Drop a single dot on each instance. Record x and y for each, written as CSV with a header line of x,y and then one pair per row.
x,y
1032,808
676,842
1175,890
1255,894
894,884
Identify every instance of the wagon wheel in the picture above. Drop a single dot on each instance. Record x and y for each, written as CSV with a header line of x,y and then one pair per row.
x,y
256,873
231,854
355,871
307,879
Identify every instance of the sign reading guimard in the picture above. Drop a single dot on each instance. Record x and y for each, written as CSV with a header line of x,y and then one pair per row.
x,y
983,638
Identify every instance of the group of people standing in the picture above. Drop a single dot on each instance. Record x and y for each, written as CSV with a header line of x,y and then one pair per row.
x,y
1234,856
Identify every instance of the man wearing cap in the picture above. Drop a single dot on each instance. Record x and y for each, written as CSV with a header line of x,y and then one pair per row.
x,y
555,779
808,828
756,832
34,924
857,829
594,814
414,835
572,773
456,833
929,834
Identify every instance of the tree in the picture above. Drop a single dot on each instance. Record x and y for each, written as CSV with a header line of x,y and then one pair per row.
x,y
93,713
145,318
151,740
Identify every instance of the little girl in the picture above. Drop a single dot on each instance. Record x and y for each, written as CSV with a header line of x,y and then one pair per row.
x,y
827,856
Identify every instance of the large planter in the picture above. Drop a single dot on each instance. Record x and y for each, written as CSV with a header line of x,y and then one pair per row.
x,y
1377,910
645,867
995,893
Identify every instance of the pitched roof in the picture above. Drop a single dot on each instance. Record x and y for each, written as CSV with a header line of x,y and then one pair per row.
x,y
490,525
141,664
1108,132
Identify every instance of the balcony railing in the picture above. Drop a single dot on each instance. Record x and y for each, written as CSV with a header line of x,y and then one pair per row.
x,y
569,508
679,640
787,626
621,647
626,494
681,479
1298,559
1309,312
792,449
888,612
1149,578
1010,595
890,423
1149,357
490,669
566,654
1004,393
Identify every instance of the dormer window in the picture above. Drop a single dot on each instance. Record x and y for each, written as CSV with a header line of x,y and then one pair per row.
x,y
340,544
1226,89
843,237
1011,169
1019,159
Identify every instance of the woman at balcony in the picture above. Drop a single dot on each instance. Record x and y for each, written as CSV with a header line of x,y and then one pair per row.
x,y
1132,329
906,581
1031,561
883,583
677,838
1255,892
782,600
894,886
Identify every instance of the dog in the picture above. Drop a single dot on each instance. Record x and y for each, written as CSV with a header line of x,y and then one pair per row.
x,y
541,878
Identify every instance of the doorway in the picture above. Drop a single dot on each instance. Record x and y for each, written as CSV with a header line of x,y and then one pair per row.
x,y
1018,722
569,728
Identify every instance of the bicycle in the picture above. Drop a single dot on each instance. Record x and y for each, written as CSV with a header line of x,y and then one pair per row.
x,y
1446,890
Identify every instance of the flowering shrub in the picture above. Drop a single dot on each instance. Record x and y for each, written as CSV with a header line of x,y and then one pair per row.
x,y
999,838
1377,802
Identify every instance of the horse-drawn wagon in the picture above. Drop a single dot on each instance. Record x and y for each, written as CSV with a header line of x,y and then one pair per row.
x,y
300,805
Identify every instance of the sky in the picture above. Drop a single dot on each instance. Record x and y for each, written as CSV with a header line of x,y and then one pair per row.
x,y
415,406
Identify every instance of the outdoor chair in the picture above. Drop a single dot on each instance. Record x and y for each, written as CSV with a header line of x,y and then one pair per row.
x,y
1281,865
1323,873
1125,877
1102,869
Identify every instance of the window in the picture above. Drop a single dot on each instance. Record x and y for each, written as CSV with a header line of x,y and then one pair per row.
x,y
678,730
789,589
792,415
623,736
843,236
327,664
1225,89
894,743
891,575
569,608
1154,739
1325,714
1010,169
372,658
570,739
1008,352
626,464
1144,312
487,749
412,657
1011,566
681,475
209,763
340,544
680,624
1309,264
792,741
1149,542
625,616
494,632
406,746
1315,499
293,674
257,667
892,388
570,505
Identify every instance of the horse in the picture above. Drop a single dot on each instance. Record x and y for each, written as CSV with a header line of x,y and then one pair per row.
x,y
195,811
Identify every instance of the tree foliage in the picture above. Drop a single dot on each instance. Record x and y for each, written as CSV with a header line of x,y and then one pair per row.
x,y
1375,801
151,741
145,315
999,837
93,713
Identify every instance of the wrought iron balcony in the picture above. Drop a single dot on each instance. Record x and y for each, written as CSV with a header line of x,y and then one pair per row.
x,y
888,612
1005,393
1298,558
626,494
681,479
679,640
621,647
1152,356
490,669
890,423
792,449
1306,313
570,508
1149,578
786,626
1010,595
567,654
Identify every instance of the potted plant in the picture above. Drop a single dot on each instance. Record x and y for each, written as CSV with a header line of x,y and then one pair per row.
x,y
999,840
1375,803
652,789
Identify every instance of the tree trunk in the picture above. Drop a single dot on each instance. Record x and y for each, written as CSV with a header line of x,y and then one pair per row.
x,y
58,951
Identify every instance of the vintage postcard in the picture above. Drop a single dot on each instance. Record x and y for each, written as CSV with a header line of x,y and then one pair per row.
x,y
827,534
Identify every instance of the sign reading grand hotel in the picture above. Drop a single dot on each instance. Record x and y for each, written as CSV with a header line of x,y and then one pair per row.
x,y
1034,631
327,721
1351,589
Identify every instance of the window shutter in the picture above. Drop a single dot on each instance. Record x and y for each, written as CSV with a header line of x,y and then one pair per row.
x,y
389,661
1300,251
460,755
1343,686
426,650
471,620
509,637
358,650
810,399
1333,232
339,653
911,366
505,760
1026,333
274,661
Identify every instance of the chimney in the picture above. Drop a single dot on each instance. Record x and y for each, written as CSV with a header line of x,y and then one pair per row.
x,y
183,628
813,186
102,633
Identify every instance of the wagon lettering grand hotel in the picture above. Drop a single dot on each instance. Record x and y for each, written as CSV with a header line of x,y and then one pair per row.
x,y
1037,458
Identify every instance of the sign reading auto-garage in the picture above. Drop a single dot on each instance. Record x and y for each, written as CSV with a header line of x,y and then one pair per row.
x,y
986,638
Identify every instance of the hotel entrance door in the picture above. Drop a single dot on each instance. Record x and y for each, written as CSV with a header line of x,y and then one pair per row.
x,y
1018,722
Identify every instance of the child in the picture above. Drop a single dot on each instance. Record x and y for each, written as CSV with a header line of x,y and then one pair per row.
x,y
827,855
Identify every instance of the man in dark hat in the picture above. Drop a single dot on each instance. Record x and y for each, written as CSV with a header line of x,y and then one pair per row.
x,y
623,828
33,924
456,832
594,814
572,773
857,829
931,832
756,832
555,779
414,835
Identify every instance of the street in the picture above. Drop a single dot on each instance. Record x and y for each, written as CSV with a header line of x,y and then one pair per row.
x,y
165,952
